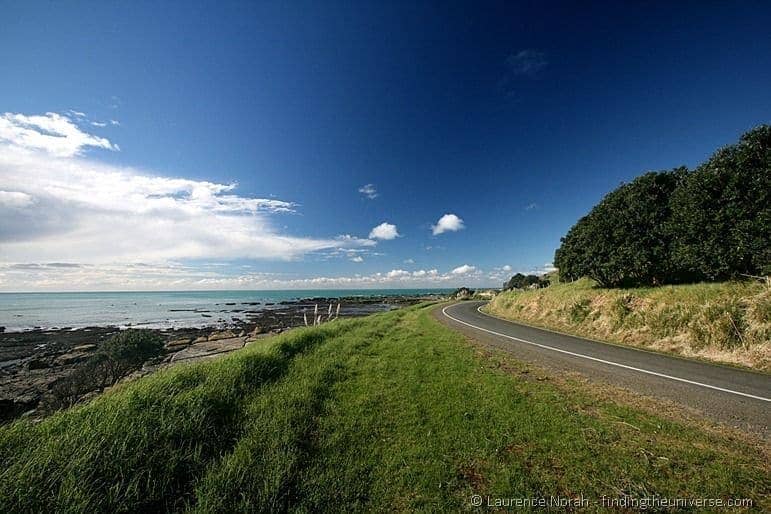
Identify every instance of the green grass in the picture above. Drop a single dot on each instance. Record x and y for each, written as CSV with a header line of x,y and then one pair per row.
x,y
728,322
389,412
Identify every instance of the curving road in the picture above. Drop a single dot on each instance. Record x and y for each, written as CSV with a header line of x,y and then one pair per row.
x,y
728,395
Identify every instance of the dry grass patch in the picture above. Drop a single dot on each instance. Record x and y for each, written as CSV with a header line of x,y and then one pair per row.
x,y
727,322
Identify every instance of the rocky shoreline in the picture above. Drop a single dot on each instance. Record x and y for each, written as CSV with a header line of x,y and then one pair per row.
x,y
33,361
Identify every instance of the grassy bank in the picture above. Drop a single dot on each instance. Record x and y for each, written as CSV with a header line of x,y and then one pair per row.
x,y
727,322
389,412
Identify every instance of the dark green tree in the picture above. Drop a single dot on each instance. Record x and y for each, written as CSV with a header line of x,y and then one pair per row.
x,y
624,240
721,215
520,281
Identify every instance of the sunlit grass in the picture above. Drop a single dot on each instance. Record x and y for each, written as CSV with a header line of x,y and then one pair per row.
x,y
389,412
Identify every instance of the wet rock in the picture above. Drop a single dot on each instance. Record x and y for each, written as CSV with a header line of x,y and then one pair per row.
x,y
84,348
178,344
224,334
12,408
207,349
38,364
70,358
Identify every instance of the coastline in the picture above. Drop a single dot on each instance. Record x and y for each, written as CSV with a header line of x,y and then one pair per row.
x,y
32,362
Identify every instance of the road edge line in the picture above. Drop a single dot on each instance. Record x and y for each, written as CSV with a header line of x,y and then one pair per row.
x,y
611,363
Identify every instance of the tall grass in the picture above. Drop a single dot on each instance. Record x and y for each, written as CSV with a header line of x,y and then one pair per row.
x,y
726,322
392,412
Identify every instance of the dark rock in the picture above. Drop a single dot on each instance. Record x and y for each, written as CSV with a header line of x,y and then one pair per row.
x,y
71,358
38,364
84,348
225,334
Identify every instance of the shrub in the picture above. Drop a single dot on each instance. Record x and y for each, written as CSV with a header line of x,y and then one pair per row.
x,y
127,350
579,311
121,354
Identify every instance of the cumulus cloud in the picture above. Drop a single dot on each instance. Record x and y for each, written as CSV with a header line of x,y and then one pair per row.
x,y
385,231
357,258
463,270
447,223
57,206
52,133
369,191
506,268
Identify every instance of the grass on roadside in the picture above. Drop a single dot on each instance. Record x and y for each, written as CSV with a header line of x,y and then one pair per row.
x,y
389,412
728,322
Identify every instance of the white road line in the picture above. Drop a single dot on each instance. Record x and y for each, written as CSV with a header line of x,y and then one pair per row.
x,y
610,363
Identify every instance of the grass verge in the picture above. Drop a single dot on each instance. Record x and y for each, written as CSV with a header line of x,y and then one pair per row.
x,y
727,322
389,412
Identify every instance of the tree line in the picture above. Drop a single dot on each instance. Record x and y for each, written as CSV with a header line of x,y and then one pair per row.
x,y
520,281
707,224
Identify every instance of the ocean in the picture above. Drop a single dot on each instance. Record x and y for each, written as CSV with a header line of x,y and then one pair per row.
x,y
25,311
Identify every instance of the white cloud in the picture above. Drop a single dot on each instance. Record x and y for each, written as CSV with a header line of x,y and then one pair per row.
x,y
357,258
447,223
99,123
506,268
409,261
61,276
64,208
15,199
348,240
463,270
385,231
52,133
369,191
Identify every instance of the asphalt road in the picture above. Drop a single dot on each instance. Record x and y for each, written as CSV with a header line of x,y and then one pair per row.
x,y
729,395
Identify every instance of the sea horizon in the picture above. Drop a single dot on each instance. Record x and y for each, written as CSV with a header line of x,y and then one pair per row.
x,y
40,310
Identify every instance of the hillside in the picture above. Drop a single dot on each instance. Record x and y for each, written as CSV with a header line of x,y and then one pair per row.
x,y
390,412
728,322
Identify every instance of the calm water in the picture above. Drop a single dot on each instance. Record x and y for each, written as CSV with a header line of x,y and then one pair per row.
x,y
22,311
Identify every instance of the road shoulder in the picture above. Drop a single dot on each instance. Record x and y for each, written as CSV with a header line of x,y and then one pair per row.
x,y
529,364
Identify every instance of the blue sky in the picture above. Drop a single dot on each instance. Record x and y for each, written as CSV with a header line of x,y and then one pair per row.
x,y
224,145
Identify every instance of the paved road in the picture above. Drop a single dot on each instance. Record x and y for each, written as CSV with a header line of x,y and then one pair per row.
x,y
729,395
